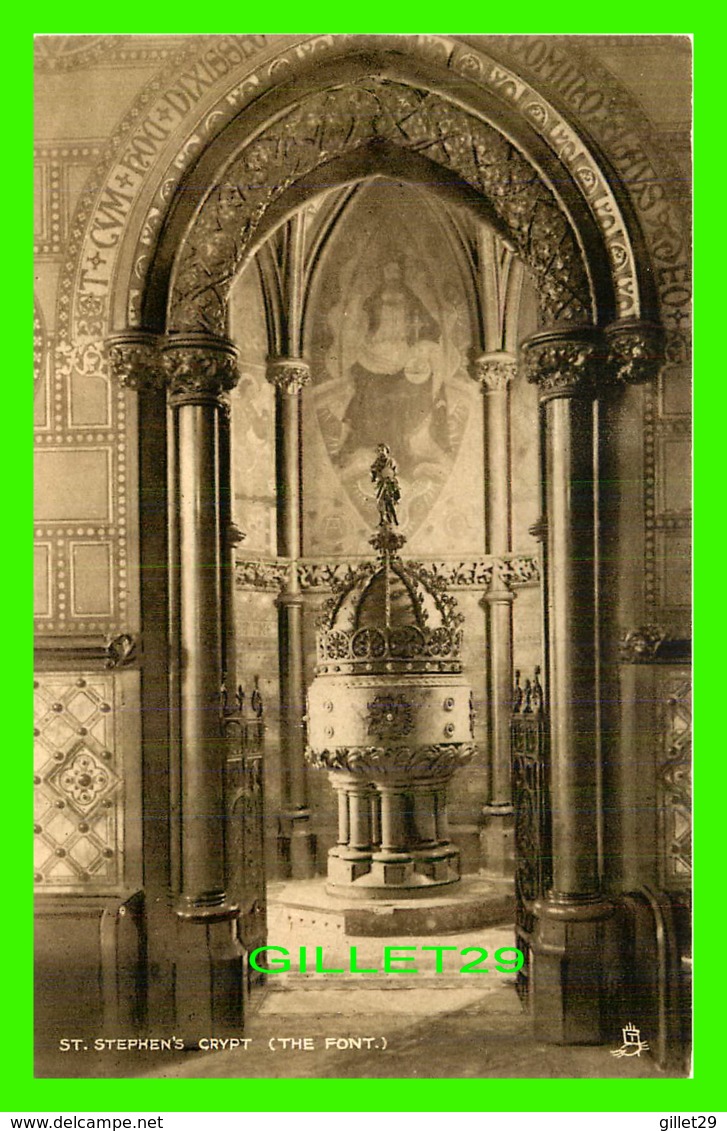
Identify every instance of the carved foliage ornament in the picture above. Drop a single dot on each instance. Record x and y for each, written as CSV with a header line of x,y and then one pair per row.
x,y
335,123
192,366
475,573
288,374
563,365
121,650
636,350
567,362
438,760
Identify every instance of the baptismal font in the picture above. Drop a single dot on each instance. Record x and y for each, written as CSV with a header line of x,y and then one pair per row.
x,y
390,716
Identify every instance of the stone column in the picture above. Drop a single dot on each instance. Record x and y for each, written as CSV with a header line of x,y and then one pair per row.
x,y
574,941
200,369
392,864
495,371
359,807
636,353
134,361
289,375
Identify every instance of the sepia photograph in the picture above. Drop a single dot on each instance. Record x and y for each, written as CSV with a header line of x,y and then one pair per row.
x,y
362,691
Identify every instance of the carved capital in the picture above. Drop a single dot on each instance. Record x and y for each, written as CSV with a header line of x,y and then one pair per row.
x,y
134,360
288,374
494,371
200,368
120,650
636,350
564,363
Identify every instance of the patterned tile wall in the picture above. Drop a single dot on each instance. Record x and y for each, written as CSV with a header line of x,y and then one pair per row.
x,y
81,472
80,777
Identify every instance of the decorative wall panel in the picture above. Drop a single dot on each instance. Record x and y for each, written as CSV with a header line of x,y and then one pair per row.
x,y
80,421
91,572
675,782
42,567
64,53
73,484
674,564
81,483
81,780
667,499
61,171
674,468
88,400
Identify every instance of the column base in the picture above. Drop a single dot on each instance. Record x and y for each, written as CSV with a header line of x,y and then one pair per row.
x,y
497,841
391,875
209,973
575,971
346,865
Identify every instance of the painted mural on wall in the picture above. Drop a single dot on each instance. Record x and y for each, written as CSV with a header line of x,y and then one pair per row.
x,y
253,421
389,348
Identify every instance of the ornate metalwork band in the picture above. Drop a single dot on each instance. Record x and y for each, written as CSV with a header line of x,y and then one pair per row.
x,y
438,760
384,649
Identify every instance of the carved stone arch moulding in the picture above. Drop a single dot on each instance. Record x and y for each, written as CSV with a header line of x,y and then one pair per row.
x,y
336,122
211,80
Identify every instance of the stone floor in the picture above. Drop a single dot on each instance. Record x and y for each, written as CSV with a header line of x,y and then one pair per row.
x,y
450,1025
367,1026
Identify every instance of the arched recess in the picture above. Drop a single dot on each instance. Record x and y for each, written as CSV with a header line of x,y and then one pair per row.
x,y
255,175
389,127
347,235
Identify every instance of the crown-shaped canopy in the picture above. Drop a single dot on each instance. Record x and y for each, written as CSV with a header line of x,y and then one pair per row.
x,y
390,615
